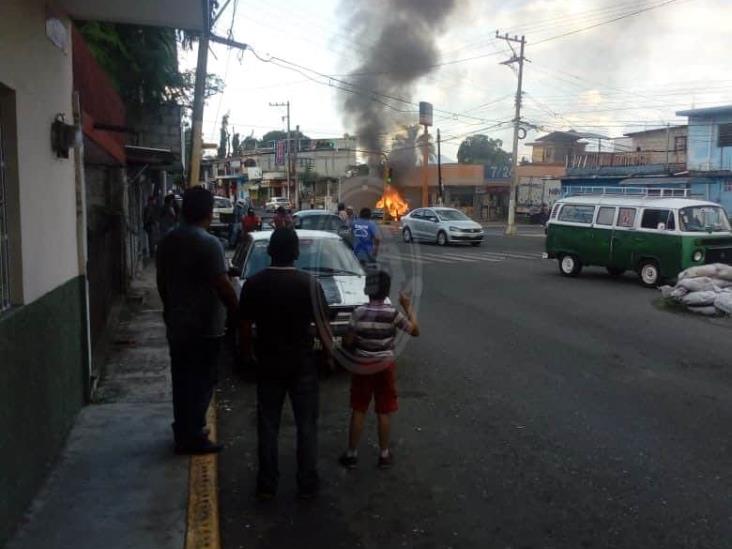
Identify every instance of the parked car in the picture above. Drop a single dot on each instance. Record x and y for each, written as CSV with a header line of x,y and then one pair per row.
x,y
377,213
321,220
441,225
324,256
223,216
276,202
655,237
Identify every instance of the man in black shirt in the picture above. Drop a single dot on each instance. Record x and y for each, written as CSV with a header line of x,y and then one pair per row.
x,y
283,303
195,290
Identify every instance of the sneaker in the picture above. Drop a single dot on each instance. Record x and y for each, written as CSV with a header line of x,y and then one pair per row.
x,y
349,462
386,462
199,447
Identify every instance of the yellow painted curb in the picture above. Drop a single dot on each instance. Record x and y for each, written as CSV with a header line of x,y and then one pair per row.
x,y
202,529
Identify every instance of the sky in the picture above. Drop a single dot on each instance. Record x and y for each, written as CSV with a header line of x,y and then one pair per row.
x,y
617,77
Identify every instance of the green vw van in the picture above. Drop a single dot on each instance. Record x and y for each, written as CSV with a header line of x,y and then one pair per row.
x,y
655,236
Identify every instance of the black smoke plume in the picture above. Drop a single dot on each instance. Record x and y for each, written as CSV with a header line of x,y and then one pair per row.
x,y
398,41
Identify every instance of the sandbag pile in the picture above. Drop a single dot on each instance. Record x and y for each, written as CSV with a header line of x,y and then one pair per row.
x,y
704,290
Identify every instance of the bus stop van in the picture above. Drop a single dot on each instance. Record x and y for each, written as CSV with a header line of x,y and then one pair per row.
x,y
656,237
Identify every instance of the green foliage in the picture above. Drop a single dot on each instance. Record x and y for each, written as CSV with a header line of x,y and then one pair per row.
x,y
481,149
279,135
143,64
235,144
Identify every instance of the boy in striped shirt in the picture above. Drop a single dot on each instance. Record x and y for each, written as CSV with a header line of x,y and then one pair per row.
x,y
370,339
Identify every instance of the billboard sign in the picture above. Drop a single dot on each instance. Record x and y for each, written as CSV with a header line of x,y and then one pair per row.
x,y
425,113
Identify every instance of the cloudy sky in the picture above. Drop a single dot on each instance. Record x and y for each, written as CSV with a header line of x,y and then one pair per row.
x,y
620,76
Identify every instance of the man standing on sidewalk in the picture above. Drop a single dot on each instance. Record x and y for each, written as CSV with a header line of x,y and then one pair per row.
x,y
284,303
196,291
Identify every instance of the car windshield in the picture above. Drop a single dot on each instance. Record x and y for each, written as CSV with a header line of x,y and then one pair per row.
x,y
699,219
220,202
452,215
318,222
319,256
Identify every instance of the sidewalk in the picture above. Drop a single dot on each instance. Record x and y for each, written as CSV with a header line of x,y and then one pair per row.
x,y
118,483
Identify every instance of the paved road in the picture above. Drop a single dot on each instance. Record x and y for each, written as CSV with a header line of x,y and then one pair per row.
x,y
536,411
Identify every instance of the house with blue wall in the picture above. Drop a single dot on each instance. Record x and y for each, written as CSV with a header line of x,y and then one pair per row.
x,y
709,153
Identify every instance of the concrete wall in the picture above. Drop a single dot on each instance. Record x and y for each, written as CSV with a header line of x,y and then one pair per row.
x,y
40,74
703,152
656,142
42,376
41,382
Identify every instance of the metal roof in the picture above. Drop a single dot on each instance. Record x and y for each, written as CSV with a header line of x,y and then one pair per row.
x,y
724,109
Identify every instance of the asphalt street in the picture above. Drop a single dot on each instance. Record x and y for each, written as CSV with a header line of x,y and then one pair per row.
x,y
536,412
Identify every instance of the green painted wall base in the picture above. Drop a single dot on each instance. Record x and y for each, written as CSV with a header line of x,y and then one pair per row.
x,y
42,380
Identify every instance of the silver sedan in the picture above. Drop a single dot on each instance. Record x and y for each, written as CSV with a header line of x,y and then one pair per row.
x,y
440,225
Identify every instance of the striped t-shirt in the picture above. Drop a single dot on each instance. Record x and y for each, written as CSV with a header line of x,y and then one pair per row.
x,y
374,328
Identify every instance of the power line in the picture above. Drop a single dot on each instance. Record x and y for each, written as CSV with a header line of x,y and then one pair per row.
x,y
607,22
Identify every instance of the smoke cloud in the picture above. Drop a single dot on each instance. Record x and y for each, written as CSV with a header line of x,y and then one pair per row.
x,y
398,40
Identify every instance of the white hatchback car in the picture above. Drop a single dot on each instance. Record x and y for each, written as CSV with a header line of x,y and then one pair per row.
x,y
440,225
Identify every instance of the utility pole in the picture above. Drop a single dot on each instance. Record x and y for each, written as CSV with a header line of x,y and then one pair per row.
x,y
294,168
439,171
199,96
511,224
425,168
288,161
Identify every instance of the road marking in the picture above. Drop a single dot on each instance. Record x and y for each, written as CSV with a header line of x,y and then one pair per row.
x,y
451,258
202,520
522,256
413,259
474,257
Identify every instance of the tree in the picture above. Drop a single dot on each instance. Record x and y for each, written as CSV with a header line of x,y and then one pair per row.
x,y
481,149
235,144
279,135
249,143
142,63
224,137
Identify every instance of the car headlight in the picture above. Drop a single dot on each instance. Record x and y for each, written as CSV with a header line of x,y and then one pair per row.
x,y
698,255
455,229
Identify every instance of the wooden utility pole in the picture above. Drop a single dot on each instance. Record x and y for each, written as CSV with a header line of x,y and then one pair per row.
x,y
199,94
511,223
288,158
440,190
425,168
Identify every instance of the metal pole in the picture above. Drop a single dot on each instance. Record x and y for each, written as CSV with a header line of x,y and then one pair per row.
x,y
439,170
294,168
425,168
668,142
511,222
199,94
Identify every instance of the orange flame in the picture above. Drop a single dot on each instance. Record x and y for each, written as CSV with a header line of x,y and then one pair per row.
x,y
393,203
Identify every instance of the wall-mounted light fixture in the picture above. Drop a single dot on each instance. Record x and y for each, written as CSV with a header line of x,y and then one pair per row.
x,y
63,136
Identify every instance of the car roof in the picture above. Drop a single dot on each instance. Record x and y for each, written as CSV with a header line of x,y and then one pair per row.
x,y
315,212
301,233
636,202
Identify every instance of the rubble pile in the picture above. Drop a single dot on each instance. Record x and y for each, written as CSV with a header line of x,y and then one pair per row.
x,y
705,290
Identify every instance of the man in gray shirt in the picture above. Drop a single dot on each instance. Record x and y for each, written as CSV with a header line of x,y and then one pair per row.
x,y
196,292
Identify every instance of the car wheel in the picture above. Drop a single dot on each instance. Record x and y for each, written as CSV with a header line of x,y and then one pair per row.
x,y
441,238
649,273
615,271
475,244
569,265
407,235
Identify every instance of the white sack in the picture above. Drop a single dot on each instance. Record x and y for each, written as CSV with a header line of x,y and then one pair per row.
x,y
678,293
700,270
724,302
666,291
706,311
724,272
699,284
699,299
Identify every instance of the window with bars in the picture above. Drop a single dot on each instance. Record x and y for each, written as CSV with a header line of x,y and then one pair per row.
x,y
725,135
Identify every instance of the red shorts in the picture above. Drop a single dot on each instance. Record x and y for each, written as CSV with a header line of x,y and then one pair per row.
x,y
381,386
